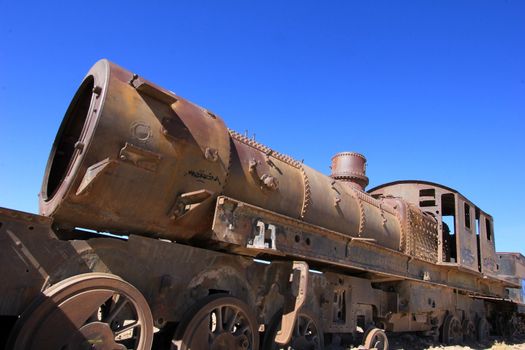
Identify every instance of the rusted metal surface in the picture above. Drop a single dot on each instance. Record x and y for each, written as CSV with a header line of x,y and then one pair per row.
x,y
512,267
31,253
252,163
234,225
125,138
350,167
293,304
199,202
138,141
468,224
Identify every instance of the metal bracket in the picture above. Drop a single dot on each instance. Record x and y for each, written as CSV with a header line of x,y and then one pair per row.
x,y
260,241
140,157
299,287
265,181
187,201
152,90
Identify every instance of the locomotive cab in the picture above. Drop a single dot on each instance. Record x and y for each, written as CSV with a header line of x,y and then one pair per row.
x,y
465,232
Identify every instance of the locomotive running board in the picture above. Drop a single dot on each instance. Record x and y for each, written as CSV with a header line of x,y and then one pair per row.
x,y
249,230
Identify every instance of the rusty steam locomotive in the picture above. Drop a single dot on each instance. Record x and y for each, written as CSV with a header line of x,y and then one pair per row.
x,y
161,228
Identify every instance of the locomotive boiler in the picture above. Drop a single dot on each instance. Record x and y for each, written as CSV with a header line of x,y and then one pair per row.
x,y
131,157
161,228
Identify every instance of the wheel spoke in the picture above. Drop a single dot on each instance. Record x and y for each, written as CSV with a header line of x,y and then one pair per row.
x,y
218,315
118,308
231,323
307,326
244,329
211,334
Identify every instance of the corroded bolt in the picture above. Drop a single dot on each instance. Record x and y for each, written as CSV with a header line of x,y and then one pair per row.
x,y
244,343
97,90
79,146
211,154
270,182
252,165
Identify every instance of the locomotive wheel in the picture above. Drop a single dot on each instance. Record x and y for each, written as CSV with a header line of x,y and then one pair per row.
x,y
306,334
376,339
500,324
218,323
483,330
469,330
95,311
452,332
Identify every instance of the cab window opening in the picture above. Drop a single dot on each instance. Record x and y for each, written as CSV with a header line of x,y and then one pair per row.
x,y
448,232
478,235
466,207
488,226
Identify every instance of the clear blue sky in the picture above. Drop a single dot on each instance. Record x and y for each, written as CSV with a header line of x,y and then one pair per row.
x,y
431,90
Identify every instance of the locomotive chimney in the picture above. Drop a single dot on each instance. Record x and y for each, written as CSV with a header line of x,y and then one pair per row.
x,y
350,167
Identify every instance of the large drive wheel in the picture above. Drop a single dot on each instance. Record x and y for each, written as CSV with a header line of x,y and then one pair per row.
x,y
500,324
483,330
218,323
95,311
507,325
376,339
306,334
452,332
469,330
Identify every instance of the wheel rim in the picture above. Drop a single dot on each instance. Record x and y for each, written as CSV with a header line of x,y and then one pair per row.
x,y
376,339
91,311
452,330
220,323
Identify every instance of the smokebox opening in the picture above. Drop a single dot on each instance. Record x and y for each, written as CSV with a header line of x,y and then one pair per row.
x,y
69,133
